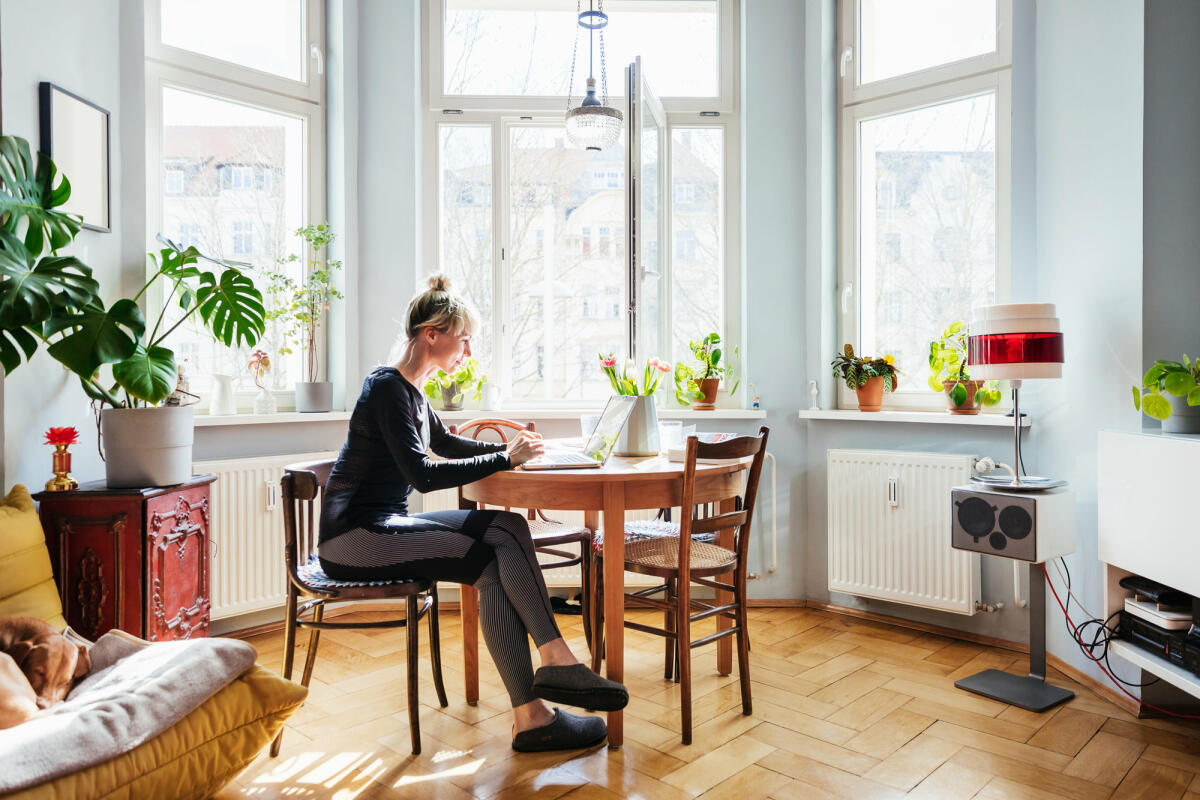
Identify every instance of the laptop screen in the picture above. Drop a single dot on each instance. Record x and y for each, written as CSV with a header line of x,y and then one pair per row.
x,y
604,438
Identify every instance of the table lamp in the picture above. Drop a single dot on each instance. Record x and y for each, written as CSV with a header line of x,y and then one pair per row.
x,y
1014,342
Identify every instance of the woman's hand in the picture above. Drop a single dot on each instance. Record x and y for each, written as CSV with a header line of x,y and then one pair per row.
x,y
524,446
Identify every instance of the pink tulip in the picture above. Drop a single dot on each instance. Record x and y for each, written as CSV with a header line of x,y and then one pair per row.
x,y
663,366
608,362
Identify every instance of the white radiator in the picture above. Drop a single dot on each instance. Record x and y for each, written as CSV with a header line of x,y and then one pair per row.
x,y
247,571
889,519
445,499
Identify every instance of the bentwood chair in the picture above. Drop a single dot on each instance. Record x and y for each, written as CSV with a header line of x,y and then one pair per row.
x,y
683,557
302,484
549,536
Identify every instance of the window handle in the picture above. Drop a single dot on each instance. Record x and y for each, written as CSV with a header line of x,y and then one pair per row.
x,y
316,53
847,55
847,291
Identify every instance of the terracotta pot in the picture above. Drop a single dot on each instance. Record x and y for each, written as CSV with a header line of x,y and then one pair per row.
x,y
870,396
708,387
971,403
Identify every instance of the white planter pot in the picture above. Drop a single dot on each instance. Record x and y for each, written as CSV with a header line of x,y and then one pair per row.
x,y
264,402
314,397
639,437
147,446
1183,419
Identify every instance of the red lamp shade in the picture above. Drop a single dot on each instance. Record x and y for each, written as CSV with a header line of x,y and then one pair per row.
x,y
1015,341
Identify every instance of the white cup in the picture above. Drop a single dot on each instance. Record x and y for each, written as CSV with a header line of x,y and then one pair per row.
x,y
670,433
587,424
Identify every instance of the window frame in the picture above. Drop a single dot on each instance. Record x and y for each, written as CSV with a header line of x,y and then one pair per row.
x,y
172,68
500,115
990,72
726,101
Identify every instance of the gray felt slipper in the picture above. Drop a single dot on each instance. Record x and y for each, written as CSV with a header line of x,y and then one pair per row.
x,y
577,685
564,732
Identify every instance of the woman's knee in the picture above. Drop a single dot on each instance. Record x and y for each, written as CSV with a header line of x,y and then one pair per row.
x,y
513,523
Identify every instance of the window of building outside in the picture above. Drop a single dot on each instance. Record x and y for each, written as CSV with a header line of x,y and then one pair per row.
x,y
924,174
543,258
235,113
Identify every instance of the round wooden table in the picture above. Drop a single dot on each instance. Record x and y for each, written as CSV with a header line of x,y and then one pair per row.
x,y
622,483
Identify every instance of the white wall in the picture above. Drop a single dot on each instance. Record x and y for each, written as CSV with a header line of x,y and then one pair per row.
x,y
81,47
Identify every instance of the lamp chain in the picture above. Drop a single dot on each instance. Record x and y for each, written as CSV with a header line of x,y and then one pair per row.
x,y
603,66
574,51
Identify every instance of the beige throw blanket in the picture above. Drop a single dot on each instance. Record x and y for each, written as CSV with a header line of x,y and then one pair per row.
x,y
134,692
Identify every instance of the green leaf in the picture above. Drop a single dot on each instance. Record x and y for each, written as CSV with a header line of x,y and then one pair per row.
x,y
1137,398
715,356
958,395
13,342
955,327
96,336
147,375
1179,383
935,384
30,291
29,195
990,396
1193,397
1153,375
1156,406
231,309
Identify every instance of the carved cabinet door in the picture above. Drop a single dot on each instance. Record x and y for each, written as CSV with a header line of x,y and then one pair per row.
x,y
176,583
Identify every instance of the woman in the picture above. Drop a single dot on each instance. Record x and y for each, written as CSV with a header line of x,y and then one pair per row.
x,y
367,533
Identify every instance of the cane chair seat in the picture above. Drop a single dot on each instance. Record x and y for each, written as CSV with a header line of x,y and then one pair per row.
x,y
660,556
547,533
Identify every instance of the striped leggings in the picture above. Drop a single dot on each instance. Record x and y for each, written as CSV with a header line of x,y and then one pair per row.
x,y
490,550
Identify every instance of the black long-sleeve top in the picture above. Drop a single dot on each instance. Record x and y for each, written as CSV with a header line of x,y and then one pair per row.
x,y
386,456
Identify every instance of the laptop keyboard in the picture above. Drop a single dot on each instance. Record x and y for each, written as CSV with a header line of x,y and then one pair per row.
x,y
571,458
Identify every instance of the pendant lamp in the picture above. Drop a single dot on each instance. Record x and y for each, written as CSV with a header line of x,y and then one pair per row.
x,y
593,124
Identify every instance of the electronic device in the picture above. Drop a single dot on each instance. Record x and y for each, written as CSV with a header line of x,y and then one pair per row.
x,y
1156,614
1167,644
1023,526
598,447
1156,592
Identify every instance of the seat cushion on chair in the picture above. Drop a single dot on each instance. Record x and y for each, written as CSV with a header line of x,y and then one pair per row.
x,y
27,586
313,575
650,529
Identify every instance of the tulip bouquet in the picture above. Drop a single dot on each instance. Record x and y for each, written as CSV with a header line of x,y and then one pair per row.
x,y
625,381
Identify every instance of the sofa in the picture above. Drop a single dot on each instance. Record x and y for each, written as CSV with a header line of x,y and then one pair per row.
x,y
193,757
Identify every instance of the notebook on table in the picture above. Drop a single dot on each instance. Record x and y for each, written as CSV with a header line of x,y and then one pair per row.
x,y
598,446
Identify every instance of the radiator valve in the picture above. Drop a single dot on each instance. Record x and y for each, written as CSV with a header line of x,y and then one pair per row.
x,y
988,608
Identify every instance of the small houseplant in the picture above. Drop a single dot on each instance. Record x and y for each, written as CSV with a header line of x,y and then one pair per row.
x,y
868,377
452,387
639,436
300,306
51,300
697,383
1170,393
949,373
260,365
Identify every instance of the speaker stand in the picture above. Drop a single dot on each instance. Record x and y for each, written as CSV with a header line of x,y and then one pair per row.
x,y
1031,692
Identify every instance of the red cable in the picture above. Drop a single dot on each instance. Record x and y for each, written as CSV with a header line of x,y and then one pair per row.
x,y
1075,632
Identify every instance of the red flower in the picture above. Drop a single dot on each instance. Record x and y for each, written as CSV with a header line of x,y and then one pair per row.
x,y
608,361
57,436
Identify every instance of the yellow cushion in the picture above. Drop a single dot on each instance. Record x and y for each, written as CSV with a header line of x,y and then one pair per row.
x,y
196,756
27,586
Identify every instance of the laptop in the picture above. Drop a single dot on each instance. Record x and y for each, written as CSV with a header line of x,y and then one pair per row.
x,y
599,445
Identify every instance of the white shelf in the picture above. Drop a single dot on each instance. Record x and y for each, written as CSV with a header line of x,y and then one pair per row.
x,y
928,417
1160,667
575,413
205,421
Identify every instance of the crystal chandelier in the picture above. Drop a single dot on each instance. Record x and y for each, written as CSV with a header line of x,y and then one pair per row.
x,y
593,124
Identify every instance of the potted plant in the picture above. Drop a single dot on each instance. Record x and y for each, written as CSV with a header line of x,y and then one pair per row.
x,y
259,366
1179,408
300,307
639,436
698,383
949,374
868,377
53,300
451,388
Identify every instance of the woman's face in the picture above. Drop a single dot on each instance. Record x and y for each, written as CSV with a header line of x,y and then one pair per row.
x,y
448,348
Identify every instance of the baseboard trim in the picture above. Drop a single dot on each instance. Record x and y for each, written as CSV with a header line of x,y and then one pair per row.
x,y
1109,693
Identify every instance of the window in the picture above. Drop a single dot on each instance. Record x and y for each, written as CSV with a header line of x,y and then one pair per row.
x,y
684,192
235,115
685,246
550,274
924,155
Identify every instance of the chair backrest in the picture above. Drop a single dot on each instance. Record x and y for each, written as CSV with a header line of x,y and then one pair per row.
x,y
300,487
472,429
739,520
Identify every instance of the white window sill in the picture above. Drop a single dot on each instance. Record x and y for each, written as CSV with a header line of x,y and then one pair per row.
x,y
574,413
930,417
221,421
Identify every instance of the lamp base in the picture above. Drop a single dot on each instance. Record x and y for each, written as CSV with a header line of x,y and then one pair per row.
x,y
1029,483
1029,693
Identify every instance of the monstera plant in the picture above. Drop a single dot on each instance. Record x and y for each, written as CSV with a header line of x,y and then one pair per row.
x,y
52,300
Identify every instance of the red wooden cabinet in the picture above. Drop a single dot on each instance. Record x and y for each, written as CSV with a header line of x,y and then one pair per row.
x,y
133,559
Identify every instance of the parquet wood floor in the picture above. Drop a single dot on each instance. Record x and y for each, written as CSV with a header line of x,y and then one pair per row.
x,y
843,708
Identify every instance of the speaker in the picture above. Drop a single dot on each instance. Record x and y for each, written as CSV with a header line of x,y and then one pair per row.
x,y
1026,526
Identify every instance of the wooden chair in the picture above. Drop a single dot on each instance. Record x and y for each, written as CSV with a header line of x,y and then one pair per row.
x,y
666,556
548,535
302,484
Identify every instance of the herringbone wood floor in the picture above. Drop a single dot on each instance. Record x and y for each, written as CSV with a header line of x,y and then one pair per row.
x,y
843,708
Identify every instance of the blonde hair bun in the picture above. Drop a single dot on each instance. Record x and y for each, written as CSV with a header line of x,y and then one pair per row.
x,y
439,283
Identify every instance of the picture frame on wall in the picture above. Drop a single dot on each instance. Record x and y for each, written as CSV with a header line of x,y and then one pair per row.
x,y
75,135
